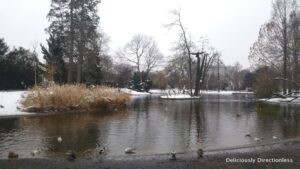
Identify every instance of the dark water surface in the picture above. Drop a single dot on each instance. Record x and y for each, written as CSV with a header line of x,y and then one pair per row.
x,y
152,126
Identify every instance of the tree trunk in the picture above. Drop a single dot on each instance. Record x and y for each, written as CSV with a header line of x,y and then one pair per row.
x,y
285,59
295,50
218,73
202,69
81,45
197,85
71,47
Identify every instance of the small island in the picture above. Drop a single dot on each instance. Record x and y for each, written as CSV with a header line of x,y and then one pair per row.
x,y
69,98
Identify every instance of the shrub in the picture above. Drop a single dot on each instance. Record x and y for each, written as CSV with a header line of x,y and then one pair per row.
x,y
264,86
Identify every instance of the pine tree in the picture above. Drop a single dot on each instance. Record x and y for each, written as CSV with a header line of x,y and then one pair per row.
x,y
54,57
74,24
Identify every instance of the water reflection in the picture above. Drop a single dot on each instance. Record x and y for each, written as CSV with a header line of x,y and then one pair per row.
x,y
152,125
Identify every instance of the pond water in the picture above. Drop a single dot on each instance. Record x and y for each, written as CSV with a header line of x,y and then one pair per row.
x,y
152,126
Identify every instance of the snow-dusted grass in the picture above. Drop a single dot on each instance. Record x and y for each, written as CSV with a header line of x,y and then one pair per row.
x,y
10,101
133,92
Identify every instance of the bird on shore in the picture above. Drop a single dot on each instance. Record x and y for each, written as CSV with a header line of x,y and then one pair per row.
x,y
257,139
71,155
275,138
200,153
35,152
129,150
102,150
12,155
59,139
248,135
173,155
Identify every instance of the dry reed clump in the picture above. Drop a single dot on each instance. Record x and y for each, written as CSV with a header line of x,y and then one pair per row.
x,y
72,97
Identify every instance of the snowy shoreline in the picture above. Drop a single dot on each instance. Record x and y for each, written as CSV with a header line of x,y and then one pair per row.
x,y
288,100
179,97
10,101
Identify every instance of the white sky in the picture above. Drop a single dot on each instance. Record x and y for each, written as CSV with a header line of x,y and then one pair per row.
x,y
231,25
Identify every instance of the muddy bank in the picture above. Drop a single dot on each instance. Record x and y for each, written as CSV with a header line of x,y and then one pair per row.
x,y
276,155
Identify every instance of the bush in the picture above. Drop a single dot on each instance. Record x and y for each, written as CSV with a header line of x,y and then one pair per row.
x,y
138,85
264,85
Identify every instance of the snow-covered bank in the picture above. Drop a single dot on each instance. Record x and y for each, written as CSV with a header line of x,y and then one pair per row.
x,y
10,101
157,91
210,92
180,97
214,92
133,92
291,100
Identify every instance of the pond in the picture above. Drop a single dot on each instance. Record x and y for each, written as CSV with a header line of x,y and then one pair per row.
x,y
152,126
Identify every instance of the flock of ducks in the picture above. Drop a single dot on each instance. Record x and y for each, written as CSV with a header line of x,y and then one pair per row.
x,y
260,139
70,155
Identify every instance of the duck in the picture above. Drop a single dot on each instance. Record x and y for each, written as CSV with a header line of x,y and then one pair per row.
x,y
59,139
257,139
71,155
35,152
129,150
102,150
238,115
200,153
1,106
173,155
248,135
275,138
12,155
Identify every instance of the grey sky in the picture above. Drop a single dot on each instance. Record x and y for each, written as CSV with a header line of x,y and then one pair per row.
x,y
231,25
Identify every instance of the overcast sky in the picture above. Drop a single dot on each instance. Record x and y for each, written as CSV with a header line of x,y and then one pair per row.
x,y
231,25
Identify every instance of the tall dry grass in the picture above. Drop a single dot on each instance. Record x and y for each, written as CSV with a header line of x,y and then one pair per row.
x,y
72,97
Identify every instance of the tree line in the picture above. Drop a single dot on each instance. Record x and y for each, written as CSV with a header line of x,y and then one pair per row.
x,y
19,67
77,51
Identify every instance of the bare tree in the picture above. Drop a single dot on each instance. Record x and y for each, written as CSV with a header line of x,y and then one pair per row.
x,y
152,57
177,71
185,42
273,44
143,52
295,45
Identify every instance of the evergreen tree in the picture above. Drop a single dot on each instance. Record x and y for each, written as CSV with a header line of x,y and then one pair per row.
x,y
74,23
17,68
54,57
3,48
86,24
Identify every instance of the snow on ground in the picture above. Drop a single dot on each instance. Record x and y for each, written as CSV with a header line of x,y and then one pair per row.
x,y
133,92
281,100
224,92
10,101
214,92
179,97
157,91
211,92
